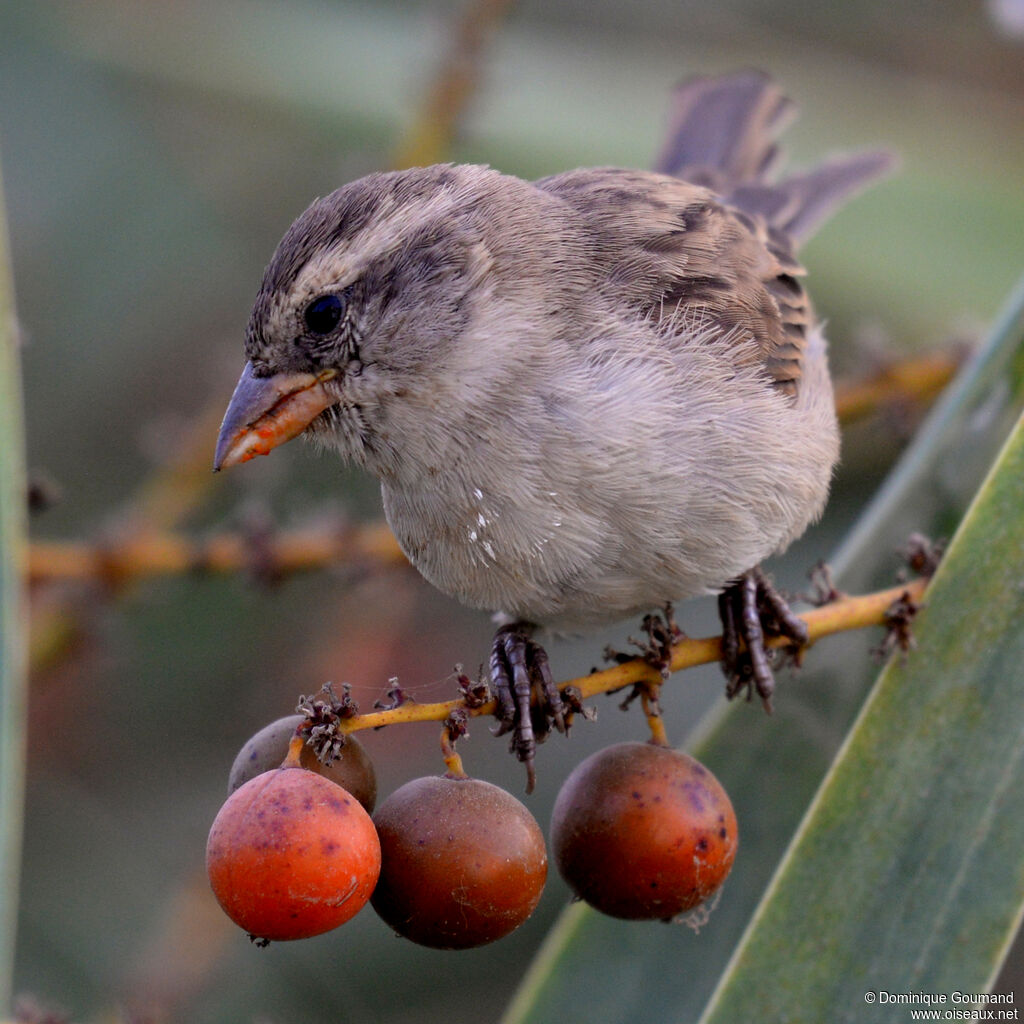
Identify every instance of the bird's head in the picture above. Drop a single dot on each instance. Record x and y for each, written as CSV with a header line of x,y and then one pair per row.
x,y
361,304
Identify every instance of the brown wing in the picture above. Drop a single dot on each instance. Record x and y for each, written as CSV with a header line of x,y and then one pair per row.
x,y
723,244
677,254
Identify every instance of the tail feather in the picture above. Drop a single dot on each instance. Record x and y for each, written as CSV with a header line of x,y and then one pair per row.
x,y
816,194
722,130
722,134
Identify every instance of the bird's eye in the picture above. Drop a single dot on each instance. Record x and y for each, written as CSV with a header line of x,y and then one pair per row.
x,y
322,315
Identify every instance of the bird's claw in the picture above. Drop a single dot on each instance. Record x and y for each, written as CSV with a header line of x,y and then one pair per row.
x,y
751,609
529,702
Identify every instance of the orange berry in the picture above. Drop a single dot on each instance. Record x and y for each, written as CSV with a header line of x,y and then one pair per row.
x,y
643,832
291,854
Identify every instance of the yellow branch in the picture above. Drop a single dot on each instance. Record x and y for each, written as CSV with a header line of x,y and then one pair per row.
x,y
846,613
917,378
146,554
429,139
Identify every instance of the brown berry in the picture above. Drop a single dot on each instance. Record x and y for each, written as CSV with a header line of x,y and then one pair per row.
x,y
291,854
352,769
643,832
463,862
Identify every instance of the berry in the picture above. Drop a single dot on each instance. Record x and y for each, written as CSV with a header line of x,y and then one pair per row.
x,y
463,862
643,832
291,854
352,769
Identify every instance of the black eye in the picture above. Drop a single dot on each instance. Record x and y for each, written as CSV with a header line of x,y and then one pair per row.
x,y
322,315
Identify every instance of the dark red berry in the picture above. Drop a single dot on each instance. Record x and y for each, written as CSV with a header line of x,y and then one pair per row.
x,y
463,862
643,832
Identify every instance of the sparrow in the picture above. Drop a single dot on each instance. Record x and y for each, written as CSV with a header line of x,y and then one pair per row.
x,y
586,396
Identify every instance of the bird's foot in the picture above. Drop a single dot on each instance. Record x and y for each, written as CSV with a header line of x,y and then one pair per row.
x,y
752,610
529,703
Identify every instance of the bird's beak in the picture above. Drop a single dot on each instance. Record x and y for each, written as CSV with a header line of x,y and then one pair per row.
x,y
267,411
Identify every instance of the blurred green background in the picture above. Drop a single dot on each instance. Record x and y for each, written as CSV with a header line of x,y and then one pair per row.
x,y
153,153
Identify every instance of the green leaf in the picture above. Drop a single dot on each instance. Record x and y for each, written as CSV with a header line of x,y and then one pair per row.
x,y
597,969
907,874
13,626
